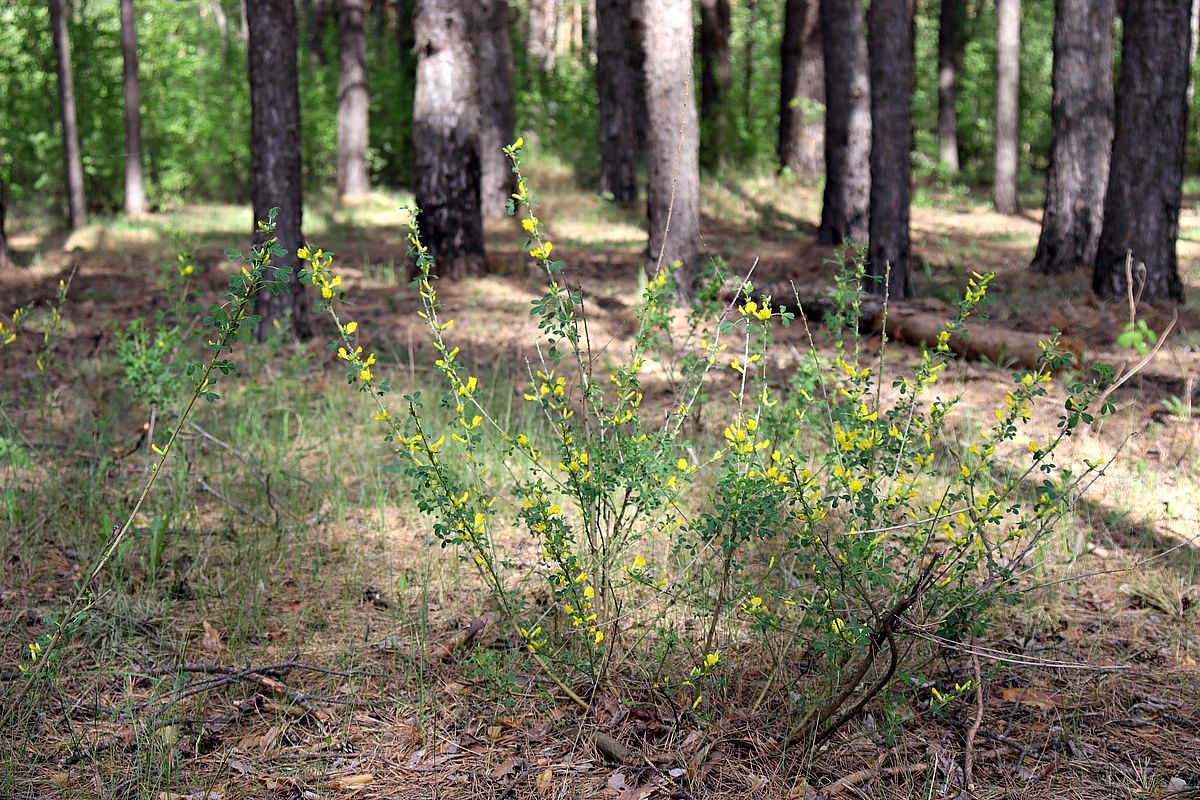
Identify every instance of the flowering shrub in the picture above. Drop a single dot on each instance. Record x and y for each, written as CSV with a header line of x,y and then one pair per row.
x,y
832,527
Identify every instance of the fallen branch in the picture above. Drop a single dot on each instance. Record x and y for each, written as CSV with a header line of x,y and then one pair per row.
x,y
260,676
912,325
852,780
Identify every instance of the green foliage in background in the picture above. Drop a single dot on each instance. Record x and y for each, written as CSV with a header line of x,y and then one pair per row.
x,y
196,106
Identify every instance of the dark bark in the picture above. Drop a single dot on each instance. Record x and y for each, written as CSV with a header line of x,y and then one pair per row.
x,y
493,54
890,27
316,17
353,179
846,204
275,173
949,57
135,177
72,160
405,35
616,85
446,139
1145,180
715,74
636,36
5,253
1008,82
802,91
1081,118
673,143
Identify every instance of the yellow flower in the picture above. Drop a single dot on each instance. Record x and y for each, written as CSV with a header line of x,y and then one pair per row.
x,y
681,464
350,327
589,592
365,374
599,637
711,659
856,486
639,562
529,224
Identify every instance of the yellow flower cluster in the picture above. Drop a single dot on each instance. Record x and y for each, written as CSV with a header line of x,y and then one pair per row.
x,y
323,277
8,334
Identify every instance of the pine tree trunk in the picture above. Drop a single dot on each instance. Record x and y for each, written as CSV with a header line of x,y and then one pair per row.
x,y
135,179
1008,83
1195,26
635,33
493,53
673,192
616,86
802,91
1081,119
949,55
353,180
275,172
542,41
715,75
446,139
315,18
72,160
5,253
1145,180
891,47
846,205
222,30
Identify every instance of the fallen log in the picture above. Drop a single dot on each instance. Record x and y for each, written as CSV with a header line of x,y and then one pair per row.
x,y
912,324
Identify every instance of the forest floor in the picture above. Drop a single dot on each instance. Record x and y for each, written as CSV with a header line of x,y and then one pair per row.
x,y
291,544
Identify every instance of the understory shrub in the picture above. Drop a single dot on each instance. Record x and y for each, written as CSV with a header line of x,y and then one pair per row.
x,y
821,544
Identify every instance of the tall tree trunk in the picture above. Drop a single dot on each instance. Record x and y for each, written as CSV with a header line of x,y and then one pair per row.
x,y
73,161
405,35
446,138
591,30
275,169
543,33
616,86
949,55
353,180
315,18
715,75
245,23
635,35
222,30
673,146
1008,83
1081,118
1195,24
846,205
5,253
1145,181
493,53
802,91
135,178
748,59
890,27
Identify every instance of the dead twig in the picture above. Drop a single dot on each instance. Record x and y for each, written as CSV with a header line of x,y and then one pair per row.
x,y
854,779
968,755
